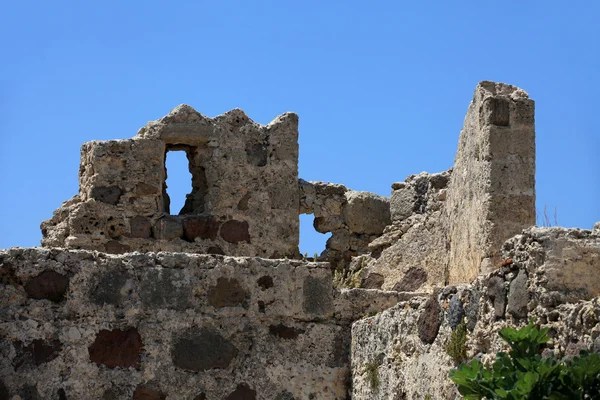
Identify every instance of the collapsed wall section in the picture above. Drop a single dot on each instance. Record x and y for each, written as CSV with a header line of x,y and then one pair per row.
x,y
79,324
549,275
243,199
449,227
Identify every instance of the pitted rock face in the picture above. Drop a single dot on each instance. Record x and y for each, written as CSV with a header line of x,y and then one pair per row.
x,y
244,196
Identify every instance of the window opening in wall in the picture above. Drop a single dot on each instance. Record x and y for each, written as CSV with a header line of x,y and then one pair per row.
x,y
311,241
178,182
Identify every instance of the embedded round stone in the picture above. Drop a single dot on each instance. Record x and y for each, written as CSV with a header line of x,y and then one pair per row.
x,y
234,231
201,350
48,285
429,321
242,392
140,227
148,393
117,348
227,293
38,352
202,226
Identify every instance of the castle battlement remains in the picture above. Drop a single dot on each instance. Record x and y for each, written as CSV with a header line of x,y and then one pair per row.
x,y
130,299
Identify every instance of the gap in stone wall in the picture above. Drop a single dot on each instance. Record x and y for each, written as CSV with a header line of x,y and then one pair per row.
x,y
179,180
311,241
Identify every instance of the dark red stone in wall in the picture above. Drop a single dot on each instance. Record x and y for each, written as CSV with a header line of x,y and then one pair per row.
x,y
140,227
429,321
202,349
202,226
114,247
242,392
234,231
284,332
36,353
48,285
148,393
227,293
117,348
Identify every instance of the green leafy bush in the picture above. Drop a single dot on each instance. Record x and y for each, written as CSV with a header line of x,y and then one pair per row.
x,y
524,374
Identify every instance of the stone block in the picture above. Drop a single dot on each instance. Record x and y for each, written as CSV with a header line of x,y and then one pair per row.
x,y
201,350
168,228
108,287
140,227
234,231
106,194
36,353
48,285
117,348
518,296
201,226
228,293
366,213
429,321
165,288
317,295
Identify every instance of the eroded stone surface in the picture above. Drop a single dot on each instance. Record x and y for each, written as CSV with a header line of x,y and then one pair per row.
x,y
185,344
411,367
244,196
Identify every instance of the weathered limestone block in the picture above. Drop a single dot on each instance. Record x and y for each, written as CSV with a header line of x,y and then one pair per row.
x,y
491,195
418,194
566,261
366,213
244,198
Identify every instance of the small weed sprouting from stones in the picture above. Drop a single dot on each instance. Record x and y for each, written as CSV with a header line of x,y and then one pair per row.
x,y
372,371
457,345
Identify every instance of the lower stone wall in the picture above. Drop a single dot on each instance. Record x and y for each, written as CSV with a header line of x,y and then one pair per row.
x,y
550,275
88,325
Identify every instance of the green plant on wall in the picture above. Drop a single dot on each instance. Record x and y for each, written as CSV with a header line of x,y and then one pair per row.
x,y
457,345
523,374
372,371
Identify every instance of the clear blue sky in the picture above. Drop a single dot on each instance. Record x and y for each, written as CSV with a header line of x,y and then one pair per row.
x,y
381,87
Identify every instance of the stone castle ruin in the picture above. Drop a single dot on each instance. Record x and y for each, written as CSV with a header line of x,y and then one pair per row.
x,y
129,299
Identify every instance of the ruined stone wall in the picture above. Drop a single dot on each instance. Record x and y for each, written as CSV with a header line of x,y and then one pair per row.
x,y
549,274
449,227
87,325
243,201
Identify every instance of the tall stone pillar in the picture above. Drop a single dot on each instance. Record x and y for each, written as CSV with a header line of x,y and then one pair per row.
x,y
491,195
